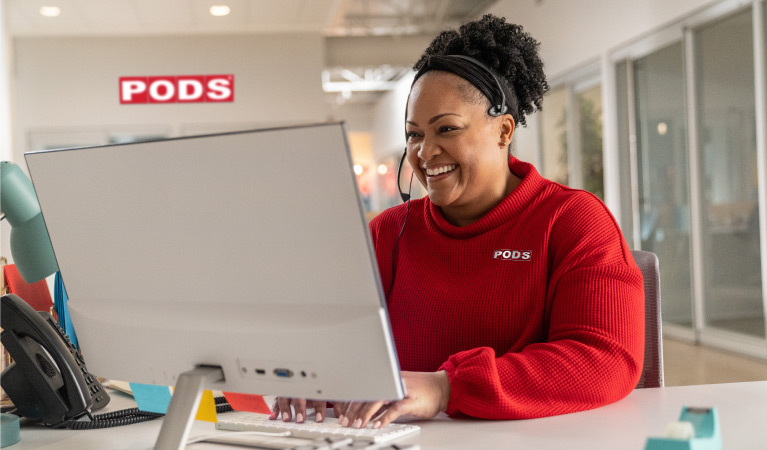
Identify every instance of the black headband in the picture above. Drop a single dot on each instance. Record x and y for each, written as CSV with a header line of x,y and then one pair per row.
x,y
501,95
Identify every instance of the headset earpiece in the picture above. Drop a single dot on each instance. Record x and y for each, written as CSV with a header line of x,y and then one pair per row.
x,y
498,110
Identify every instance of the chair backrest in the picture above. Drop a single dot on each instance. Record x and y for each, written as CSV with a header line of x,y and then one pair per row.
x,y
652,372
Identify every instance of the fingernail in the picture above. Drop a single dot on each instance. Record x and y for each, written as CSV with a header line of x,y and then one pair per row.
x,y
285,417
299,418
357,423
318,417
341,419
346,422
377,424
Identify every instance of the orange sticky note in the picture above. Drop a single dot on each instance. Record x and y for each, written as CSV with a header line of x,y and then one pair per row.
x,y
247,402
207,409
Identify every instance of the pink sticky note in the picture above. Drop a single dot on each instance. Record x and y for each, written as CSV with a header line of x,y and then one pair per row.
x,y
247,402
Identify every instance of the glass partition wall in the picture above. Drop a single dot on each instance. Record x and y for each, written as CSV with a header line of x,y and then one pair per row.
x,y
693,169
728,190
662,168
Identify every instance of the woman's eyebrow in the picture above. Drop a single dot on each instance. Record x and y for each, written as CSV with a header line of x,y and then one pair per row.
x,y
435,118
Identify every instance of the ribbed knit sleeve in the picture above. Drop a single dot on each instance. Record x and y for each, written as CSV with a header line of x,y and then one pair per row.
x,y
594,316
536,309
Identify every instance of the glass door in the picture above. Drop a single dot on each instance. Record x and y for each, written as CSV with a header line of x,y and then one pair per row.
x,y
692,143
727,152
662,176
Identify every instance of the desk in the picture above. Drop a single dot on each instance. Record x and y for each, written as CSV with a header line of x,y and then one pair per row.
x,y
622,425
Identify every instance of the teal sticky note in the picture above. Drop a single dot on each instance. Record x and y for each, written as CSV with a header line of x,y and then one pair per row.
x,y
151,397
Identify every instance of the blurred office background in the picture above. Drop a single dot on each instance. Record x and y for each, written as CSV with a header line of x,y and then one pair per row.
x,y
658,107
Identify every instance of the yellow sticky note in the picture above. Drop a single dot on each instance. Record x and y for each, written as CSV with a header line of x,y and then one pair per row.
x,y
207,409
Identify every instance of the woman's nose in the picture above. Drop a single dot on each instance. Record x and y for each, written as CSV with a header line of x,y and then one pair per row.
x,y
428,149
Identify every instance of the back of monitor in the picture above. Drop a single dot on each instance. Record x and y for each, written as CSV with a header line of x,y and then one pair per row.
x,y
247,251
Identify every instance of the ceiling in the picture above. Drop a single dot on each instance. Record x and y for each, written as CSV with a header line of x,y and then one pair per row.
x,y
343,22
150,17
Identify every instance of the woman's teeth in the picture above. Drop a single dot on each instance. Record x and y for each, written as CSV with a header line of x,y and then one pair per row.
x,y
440,170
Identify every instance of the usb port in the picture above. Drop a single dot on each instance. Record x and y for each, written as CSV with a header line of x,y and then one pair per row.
x,y
261,371
283,373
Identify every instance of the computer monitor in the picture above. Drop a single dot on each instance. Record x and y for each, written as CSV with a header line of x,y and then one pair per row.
x,y
245,251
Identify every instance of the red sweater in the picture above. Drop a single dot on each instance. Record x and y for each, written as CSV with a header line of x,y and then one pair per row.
x,y
536,309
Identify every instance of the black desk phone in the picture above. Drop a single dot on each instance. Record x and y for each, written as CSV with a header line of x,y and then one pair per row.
x,y
48,380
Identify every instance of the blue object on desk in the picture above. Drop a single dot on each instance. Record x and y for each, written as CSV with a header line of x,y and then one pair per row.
x,y
151,397
705,422
60,300
9,430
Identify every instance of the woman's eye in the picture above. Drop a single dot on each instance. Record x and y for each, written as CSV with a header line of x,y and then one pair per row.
x,y
444,129
411,134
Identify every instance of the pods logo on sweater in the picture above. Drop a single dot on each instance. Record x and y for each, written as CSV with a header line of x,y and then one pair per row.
x,y
512,255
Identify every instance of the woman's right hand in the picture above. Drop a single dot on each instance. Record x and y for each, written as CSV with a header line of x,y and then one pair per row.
x,y
281,409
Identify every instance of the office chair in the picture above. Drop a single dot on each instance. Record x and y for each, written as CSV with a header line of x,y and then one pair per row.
x,y
652,372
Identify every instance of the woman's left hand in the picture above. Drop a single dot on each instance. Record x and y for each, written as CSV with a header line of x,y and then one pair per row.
x,y
427,395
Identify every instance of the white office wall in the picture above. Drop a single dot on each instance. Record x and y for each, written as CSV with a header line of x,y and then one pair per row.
x,y
5,98
358,116
71,84
5,114
388,123
574,32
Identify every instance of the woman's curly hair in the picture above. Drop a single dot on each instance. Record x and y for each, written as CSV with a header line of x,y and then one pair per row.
x,y
506,49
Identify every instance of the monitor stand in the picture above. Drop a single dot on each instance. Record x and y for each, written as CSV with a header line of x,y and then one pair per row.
x,y
183,406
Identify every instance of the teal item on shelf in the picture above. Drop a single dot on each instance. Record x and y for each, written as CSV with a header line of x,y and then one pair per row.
x,y
9,430
30,245
705,433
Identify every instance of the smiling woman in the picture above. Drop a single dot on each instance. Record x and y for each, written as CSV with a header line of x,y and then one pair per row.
x,y
511,296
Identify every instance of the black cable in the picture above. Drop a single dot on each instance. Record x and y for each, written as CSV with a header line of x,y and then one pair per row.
x,y
131,416
394,252
114,419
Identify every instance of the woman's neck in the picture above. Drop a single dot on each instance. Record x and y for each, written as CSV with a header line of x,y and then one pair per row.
x,y
461,216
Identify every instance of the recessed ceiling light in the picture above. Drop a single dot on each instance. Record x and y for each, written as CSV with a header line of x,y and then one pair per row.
x,y
220,10
50,11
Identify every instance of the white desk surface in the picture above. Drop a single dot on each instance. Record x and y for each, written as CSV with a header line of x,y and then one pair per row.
x,y
623,425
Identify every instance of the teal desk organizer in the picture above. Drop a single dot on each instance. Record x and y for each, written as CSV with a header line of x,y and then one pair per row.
x,y
707,436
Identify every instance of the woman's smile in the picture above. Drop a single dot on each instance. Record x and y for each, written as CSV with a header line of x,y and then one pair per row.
x,y
439,172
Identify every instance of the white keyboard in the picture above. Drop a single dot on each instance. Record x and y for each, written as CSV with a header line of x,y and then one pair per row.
x,y
245,421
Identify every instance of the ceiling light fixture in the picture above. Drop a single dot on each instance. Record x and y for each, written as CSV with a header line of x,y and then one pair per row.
x,y
220,10
50,11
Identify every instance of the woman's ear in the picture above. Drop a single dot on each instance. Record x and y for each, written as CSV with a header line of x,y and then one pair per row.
x,y
507,130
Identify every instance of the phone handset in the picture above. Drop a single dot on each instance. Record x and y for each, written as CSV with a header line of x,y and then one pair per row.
x,y
48,379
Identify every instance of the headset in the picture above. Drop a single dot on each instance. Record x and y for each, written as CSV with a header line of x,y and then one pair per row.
x,y
406,200
495,110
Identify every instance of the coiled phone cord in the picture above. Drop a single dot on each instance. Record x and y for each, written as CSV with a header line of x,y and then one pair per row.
x,y
131,416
